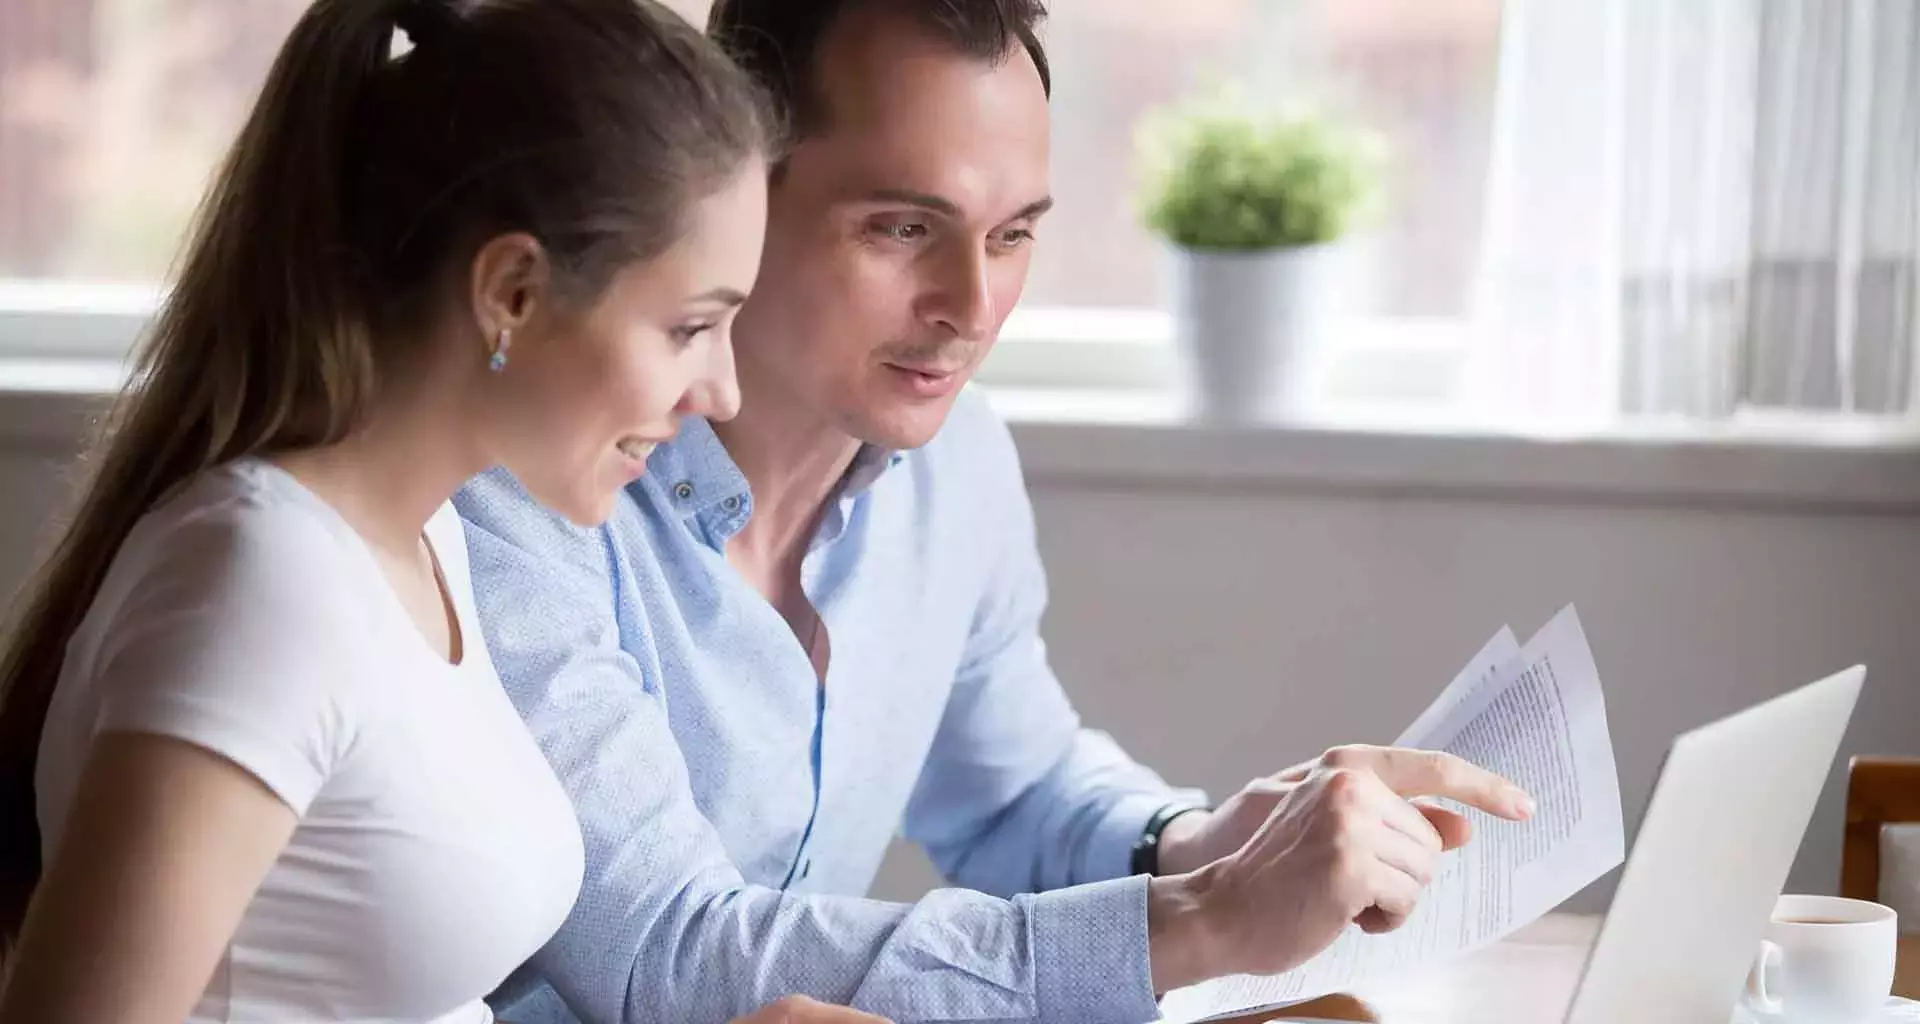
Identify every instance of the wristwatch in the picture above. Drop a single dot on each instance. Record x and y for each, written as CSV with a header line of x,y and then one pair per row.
x,y
1146,849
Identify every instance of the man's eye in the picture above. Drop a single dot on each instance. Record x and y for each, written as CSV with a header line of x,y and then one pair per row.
x,y
901,231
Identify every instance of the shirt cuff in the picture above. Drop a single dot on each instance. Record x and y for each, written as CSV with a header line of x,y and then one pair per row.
x,y
1109,851
1090,952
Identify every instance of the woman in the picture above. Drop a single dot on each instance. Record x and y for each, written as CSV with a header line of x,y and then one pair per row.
x,y
249,725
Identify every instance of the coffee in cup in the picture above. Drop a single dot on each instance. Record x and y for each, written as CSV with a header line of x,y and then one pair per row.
x,y
1824,960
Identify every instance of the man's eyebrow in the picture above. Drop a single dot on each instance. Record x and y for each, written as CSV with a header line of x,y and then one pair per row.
x,y
946,207
1034,209
924,200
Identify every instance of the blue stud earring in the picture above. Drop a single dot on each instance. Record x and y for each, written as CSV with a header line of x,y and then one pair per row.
x,y
498,361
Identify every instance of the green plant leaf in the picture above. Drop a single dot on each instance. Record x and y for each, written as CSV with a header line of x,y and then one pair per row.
x,y
1219,174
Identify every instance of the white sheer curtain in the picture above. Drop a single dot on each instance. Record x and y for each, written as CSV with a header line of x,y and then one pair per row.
x,y
1699,206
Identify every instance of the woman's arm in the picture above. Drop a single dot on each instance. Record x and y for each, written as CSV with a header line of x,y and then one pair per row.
x,y
162,850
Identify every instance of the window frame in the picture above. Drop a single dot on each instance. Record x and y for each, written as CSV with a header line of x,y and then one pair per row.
x,y
1387,361
62,320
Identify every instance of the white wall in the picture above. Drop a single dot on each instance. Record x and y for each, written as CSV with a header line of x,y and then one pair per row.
x,y
39,435
1224,636
27,481
1224,621
1226,628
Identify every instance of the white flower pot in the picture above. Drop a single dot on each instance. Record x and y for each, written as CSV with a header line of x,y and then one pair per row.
x,y
1253,329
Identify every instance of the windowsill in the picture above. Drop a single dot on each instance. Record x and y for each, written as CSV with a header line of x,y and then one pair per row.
x,y
1094,440
49,405
1138,440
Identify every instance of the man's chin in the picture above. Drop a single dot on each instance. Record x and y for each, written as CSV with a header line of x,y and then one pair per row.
x,y
902,426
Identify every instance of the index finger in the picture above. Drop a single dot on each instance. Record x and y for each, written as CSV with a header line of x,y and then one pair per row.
x,y
1412,773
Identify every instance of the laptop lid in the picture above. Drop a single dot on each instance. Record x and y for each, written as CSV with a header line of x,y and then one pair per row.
x,y
1729,809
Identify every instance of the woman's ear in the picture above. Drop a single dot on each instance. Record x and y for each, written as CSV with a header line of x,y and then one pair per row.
x,y
511,278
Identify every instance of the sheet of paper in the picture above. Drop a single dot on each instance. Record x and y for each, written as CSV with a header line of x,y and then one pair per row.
x,y
1535,716
1482,672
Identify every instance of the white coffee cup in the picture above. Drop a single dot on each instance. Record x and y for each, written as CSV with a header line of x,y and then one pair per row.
x,y
1824,960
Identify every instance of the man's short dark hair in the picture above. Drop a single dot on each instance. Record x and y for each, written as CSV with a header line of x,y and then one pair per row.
x,y
778,41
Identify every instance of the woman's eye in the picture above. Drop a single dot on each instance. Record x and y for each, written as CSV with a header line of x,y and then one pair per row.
x,y
686,333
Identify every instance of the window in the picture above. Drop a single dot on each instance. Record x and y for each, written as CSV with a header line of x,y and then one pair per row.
x,y
1421,71
112,114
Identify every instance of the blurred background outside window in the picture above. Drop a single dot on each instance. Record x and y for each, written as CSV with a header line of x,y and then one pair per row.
x,y
1500,118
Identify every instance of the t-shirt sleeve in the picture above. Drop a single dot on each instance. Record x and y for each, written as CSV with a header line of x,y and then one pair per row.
x,y
238,636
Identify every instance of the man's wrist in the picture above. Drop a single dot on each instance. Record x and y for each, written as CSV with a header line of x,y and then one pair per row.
x,y
1180,842
1183,948
1170,826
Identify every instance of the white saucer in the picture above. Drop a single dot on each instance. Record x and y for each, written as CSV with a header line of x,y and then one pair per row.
x,y
1897,1011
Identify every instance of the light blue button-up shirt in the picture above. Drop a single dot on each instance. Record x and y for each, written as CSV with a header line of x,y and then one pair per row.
x,y
735,810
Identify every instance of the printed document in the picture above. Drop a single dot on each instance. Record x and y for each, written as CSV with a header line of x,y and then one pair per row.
x,y
1535,716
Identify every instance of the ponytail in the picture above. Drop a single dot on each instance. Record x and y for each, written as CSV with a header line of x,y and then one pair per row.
x,y
261,344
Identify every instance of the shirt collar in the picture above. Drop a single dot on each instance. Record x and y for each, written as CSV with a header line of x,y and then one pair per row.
x,y
697,474
695,471
870,463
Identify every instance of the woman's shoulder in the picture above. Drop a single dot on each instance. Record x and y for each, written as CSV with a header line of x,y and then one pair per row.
x,y
238,546
229,618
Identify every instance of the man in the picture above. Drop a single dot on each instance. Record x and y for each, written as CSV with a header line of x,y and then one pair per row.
x,y
817,623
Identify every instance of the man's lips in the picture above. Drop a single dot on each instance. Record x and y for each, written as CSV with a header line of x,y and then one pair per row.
x,y
928,369
925,381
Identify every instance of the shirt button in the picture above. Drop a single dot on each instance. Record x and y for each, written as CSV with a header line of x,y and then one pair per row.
x,y
731,504
683,490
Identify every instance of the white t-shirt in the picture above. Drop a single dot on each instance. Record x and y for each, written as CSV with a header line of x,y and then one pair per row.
x,y
435,850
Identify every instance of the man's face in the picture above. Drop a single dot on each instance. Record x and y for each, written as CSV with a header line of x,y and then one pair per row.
x,y
899,233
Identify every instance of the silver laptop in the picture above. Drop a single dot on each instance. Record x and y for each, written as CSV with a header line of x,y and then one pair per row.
x,y
1727,815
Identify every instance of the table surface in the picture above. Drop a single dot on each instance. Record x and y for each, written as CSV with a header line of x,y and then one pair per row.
x,y
1528,979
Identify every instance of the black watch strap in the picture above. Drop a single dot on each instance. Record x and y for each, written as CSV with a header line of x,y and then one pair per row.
x,y
1146,850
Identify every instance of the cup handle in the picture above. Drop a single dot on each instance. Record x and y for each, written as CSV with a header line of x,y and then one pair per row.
x,y
1762,980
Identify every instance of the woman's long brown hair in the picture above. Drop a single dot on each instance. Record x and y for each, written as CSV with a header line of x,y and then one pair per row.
x,y
364,172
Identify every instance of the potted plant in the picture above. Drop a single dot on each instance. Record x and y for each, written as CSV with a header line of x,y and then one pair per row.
x,y
1255,206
